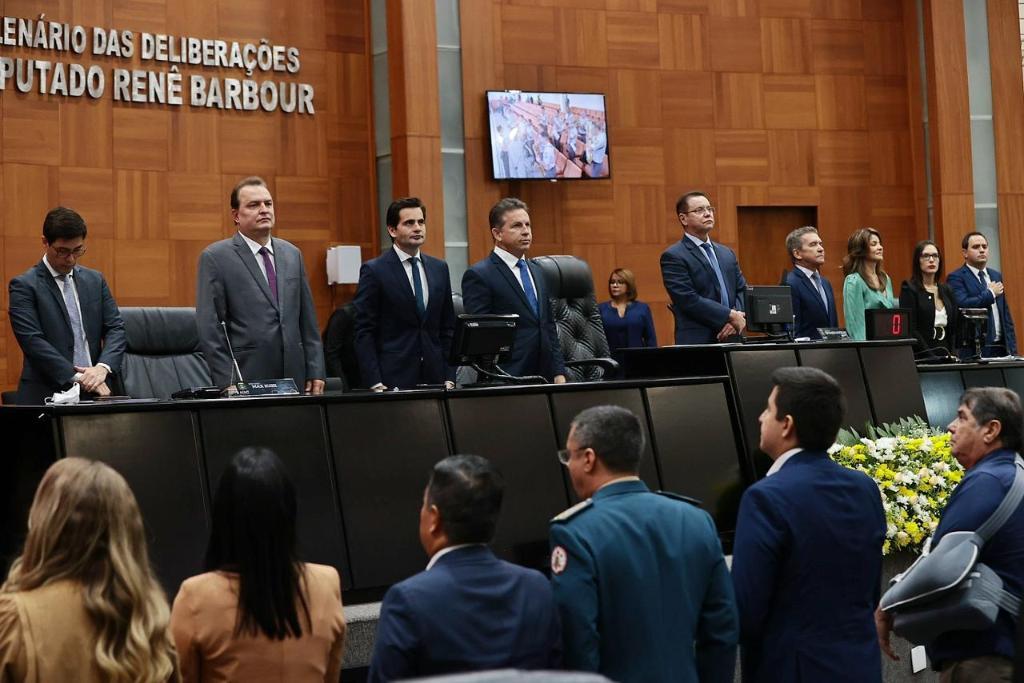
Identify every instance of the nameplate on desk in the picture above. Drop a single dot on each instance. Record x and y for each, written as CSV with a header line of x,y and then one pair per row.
x,y
268,387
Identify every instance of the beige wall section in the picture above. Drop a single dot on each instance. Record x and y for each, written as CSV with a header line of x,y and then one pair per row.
x,y
152,181
771,103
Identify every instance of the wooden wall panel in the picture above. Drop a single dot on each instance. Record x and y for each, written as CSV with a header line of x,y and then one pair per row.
x,y
152,182
775,103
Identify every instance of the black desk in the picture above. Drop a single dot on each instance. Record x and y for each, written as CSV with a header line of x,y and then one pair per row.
x,y
943,384
360,463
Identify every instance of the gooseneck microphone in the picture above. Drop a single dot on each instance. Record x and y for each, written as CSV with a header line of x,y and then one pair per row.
x,y
234,361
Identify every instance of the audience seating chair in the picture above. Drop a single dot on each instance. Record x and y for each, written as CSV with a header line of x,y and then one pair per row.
x,y
163,352
574,308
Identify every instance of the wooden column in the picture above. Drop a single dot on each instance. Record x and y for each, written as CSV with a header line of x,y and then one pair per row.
x,y
416,112
1008,121
949,127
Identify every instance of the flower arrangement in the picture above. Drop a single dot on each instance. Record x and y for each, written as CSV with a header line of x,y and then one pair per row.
x,y
915,471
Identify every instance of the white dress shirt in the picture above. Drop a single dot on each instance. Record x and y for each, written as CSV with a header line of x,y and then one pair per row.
x,y
997,324
255,247
781,460
512,262
406,261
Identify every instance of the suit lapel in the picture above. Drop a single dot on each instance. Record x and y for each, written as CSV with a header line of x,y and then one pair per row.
x,y
51,285
249,259
806,281
506,273
435,284
400,283
697,253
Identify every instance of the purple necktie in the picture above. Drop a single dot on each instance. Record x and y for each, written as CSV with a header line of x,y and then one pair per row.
x,y
271,273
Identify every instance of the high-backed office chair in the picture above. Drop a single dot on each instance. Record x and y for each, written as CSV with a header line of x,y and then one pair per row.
x,y
574,308
340,348
163,352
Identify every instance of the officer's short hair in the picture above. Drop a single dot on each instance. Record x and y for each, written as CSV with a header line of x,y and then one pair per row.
x,y
815,401
467,491
996,403
615,435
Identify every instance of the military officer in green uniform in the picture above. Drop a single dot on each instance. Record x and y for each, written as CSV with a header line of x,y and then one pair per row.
x,y
639,577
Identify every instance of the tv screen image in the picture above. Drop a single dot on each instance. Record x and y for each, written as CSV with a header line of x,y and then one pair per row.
x,y
547,135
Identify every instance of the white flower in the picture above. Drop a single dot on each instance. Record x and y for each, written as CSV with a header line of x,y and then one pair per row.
x,y
835,448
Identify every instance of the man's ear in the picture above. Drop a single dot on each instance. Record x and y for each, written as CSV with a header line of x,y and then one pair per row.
x,y
992,431
434,520
788,426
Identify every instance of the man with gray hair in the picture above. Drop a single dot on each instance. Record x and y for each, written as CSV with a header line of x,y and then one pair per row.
x,y
814,304
507,282
639,577
986,435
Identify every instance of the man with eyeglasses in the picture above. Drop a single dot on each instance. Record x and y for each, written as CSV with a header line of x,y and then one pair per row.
x,y
64,317
639,577
702,278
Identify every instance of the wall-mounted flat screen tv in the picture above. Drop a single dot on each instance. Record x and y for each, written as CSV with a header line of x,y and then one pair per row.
x,y
548,135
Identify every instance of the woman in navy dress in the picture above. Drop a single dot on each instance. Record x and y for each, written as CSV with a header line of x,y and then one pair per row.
x,y
627,322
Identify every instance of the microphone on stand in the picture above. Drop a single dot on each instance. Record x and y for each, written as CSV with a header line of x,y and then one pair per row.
x,y
234,361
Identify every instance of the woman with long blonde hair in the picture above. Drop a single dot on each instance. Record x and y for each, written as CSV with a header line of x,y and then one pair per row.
x,y
81,602
866,285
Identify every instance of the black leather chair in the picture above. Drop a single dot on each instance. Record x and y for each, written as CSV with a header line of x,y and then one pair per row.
x,y
574,308
163,352
340,349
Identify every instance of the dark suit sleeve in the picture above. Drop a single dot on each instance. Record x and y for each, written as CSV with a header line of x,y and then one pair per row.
x,y
741,286
576,596
717,628
309,328
758,550
211,309
476,294
551,330
394,649
1009,332
367,305
114,340
447,329
679,284
650,336
23,312
964,299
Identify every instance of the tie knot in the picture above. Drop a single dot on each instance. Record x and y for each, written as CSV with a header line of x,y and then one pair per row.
x,y
264,250
414,259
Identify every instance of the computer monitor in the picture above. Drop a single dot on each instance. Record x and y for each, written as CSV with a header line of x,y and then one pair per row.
x,y
769,309
888,323
482,338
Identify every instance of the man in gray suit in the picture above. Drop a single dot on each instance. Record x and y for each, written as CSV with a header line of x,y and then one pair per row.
x,y
257,286
64,317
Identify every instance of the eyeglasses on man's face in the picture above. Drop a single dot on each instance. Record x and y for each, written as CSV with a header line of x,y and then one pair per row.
x,y
701,210
565,455
64,252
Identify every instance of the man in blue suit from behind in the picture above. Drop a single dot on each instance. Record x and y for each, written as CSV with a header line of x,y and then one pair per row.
x,y
807,556
975,285
702,278
507,282
64,317
468,611
640,579
814,304
404,314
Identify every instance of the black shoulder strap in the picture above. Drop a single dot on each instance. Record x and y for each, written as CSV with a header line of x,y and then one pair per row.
x,y
1006,508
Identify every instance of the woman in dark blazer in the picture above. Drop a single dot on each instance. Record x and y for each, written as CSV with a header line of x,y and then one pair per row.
x,y
627,322
932,303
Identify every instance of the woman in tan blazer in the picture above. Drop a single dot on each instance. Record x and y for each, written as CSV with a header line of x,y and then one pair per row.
x,y
81,603
258,614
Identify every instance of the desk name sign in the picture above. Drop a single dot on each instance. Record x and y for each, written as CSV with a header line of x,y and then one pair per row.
x,y
268,387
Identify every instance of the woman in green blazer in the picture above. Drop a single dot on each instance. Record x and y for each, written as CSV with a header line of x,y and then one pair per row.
x,y
866,285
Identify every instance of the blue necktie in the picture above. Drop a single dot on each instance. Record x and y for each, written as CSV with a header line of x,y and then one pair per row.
x,y
821,290
81,357
531,296
724,297
417,286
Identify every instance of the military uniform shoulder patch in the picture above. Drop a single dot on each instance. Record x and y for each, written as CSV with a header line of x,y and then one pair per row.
x,y
677,496
559,559
576,509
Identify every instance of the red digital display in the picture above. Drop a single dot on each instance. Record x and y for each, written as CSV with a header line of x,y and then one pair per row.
x,y
888,323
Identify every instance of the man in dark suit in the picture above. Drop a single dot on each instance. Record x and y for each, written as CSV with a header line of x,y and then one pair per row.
x,y
64,317
639,577
807,557
814,304
468,611
507,282
257,286
975,285
702,278
404,314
